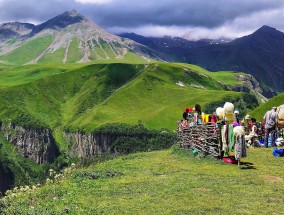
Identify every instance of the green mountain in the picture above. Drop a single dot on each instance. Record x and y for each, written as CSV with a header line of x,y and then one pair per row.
x,y
67,38
85,97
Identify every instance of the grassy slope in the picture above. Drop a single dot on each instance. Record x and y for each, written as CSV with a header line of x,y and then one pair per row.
x,y
153,97
28,51
259,112
14,76
88,96
164,182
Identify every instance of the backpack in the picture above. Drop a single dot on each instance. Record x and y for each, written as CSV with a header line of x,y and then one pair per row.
x,y
278,152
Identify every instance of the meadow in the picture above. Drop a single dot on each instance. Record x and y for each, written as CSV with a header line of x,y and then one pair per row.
x,y
170,181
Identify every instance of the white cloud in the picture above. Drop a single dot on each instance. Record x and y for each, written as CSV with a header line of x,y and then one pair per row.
x,y
151,30
93,1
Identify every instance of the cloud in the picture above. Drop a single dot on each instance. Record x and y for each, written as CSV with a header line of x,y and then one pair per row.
x,y
93,1
194,18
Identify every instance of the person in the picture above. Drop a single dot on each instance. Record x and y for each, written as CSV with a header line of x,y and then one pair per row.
x,y
198,113
185,114
237,112
271,121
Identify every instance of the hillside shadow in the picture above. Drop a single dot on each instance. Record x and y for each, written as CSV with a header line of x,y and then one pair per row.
x,y
247,165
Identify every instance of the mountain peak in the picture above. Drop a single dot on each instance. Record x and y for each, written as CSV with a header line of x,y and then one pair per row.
x,y
61,21
71,13
265,29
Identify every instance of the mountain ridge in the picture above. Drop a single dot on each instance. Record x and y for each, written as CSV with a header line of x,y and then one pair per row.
x,y
259,54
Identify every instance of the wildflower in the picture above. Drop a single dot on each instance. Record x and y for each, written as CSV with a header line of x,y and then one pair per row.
x,y
51,172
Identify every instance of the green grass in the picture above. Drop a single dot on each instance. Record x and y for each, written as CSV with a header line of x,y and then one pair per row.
x,y
276,101
164,182
15,76
225,77
28,51
54,57
154,98
74,54
12,41
107,48
86,96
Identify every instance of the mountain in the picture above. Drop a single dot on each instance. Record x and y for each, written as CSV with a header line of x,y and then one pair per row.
x,y
175,48
260,54
60,22
69,38
14,29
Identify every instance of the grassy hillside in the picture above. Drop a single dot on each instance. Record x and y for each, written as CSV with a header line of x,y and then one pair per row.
x,y
161,182
155,98
87,96
28,51
276,101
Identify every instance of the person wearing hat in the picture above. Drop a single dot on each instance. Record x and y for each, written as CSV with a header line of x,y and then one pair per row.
x,y
271,121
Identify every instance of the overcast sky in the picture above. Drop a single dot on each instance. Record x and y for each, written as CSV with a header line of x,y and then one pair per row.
x,y
194,19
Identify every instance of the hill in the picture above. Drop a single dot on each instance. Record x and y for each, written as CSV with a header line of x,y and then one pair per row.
x,y
259,112
161,182
67,38
88,96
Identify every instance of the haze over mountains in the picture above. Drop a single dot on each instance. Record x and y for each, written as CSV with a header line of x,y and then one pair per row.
x,y
70,38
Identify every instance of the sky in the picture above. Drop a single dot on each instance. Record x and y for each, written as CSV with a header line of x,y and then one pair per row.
x,y
191,19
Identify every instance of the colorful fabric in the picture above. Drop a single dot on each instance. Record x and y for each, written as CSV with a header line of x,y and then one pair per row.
x,y
225,140
240,147
231,137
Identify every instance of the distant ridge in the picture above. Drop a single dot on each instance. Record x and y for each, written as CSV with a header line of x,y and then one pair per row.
x,y
14,29
260,54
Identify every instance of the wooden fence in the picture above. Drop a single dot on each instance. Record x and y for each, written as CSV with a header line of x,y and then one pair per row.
x,y
205,138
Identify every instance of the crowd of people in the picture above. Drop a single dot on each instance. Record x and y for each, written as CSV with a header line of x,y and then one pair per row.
x,y
257,134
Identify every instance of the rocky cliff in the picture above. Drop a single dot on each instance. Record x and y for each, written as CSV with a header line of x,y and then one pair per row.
x,y
88,144
36,144
251,85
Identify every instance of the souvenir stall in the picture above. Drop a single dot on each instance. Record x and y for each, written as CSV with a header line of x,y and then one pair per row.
x,y
216,134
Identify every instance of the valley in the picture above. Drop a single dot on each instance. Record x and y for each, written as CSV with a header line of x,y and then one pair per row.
x,y
89,118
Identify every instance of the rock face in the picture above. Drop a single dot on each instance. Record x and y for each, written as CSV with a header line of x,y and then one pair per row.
x,y
88,144
14,29
36,144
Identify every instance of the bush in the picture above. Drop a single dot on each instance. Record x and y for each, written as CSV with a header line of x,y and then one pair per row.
x,y
131,139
